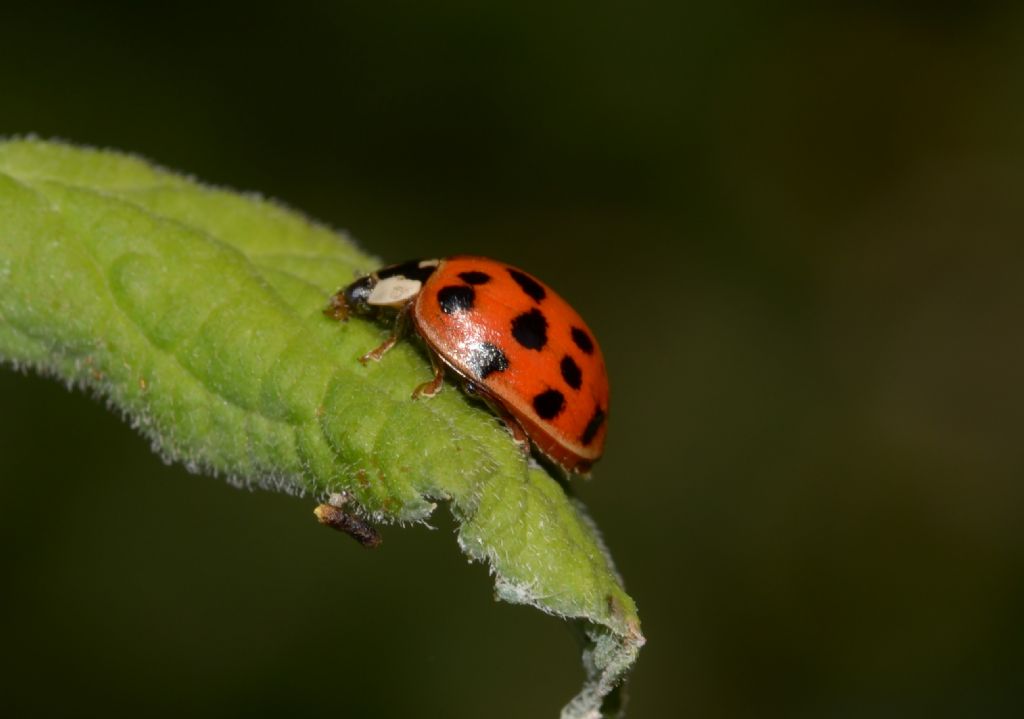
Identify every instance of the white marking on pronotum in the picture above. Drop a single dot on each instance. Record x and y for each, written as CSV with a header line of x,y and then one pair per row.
x,y
393,291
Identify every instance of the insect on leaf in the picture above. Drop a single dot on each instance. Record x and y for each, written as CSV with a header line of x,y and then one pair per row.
x,y
197,313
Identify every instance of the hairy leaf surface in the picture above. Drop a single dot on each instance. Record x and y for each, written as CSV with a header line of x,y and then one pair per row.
x,y
197,313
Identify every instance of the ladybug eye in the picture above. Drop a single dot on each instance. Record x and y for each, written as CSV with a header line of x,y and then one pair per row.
x,y
357,293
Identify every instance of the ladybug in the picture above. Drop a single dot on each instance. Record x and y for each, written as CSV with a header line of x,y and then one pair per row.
x,y
507,337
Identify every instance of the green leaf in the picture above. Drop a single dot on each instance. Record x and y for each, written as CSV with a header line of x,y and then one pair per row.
x,y
197,313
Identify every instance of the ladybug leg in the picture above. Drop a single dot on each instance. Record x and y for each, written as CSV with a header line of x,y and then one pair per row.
x,y
511,423
334,515
379,352
401,323
518,433
432,387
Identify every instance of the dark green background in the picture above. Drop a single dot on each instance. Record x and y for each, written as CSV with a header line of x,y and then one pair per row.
x,y
798,236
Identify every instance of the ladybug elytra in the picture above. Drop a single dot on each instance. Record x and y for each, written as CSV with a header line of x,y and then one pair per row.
x,y
507,337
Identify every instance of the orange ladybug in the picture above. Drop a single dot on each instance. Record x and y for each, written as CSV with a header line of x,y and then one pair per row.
x,y
508,338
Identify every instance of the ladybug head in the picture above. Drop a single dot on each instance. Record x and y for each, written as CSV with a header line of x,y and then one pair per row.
x,y
391,287
357,295
368,294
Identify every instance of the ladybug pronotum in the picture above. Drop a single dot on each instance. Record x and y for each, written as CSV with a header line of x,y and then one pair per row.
x,y
507,337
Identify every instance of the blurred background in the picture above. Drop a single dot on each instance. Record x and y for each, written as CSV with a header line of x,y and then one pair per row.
x,y
798,236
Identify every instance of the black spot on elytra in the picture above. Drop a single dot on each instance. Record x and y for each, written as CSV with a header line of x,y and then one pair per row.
x,y
529,285
549,404
485,359
474,277
592,426
410,269
582,340
531,329
456,298
571,372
